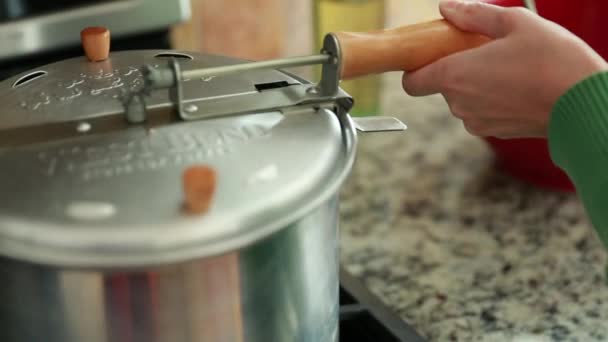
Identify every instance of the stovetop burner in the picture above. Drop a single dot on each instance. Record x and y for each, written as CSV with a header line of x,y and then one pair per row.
x,y
363,317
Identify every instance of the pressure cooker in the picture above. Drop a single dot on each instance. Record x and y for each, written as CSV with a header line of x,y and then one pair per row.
x,y
95,241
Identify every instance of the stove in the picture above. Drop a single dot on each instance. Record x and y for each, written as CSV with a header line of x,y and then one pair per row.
x,y
363,317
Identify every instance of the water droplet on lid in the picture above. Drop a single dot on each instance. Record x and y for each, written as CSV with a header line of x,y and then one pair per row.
x,y
90,211
83,127
264,175
190,108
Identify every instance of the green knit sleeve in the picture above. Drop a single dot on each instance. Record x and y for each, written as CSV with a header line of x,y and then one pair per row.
x,y
578,140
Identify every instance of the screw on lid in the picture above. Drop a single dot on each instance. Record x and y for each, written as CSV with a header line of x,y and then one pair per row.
x,y
96,43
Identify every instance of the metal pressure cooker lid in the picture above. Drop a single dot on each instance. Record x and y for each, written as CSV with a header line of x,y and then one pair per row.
x,y
80,187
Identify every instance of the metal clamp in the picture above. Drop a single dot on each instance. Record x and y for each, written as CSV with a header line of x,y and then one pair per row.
x,y
170,77
332,70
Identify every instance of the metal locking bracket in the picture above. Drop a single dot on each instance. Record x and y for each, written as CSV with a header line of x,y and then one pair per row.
x,y
285,99
171,77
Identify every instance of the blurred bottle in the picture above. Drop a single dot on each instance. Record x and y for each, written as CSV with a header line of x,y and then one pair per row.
x,y
247,29
352,15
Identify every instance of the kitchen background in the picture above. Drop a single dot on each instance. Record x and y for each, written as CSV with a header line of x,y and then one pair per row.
x,y
259,29
458,248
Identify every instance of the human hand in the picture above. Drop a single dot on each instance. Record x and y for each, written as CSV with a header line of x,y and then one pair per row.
x,y
507,87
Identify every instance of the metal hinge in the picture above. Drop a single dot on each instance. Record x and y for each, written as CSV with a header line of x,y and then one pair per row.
x,y
170,77
288,99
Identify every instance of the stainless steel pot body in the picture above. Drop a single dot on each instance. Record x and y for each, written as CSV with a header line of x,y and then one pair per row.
x,y
283,288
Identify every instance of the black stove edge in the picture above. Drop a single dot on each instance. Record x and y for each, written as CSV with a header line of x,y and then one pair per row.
x,y
378,309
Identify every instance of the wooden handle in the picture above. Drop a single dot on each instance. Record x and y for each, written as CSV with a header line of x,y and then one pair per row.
x,y
406,48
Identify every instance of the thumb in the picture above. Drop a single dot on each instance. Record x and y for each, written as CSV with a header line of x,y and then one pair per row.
x,y
427,80
477,17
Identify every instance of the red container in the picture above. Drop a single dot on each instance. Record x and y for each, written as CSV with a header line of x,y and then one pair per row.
x,y
529,159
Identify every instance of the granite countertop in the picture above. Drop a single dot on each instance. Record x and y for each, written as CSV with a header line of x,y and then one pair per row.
x,y
458,249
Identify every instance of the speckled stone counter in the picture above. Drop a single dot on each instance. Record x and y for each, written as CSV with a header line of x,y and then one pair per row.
x,y
458,249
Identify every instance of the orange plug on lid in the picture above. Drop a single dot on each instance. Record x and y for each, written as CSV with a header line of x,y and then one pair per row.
x,y
199,184
96,43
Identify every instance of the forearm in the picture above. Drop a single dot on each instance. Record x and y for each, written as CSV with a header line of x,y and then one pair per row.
x,y
578,138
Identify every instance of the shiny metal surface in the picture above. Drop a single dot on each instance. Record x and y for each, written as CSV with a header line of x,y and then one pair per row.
x,y
282,96
76,89
284,288
95,247
378,124
56,30
272,168
272,96
270,64
332,71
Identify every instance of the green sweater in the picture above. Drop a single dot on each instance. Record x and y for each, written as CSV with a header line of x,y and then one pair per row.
x,y
578,140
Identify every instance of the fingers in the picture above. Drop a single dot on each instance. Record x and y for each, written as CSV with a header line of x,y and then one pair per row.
x,y
490,20
425,81
479,17
449,73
